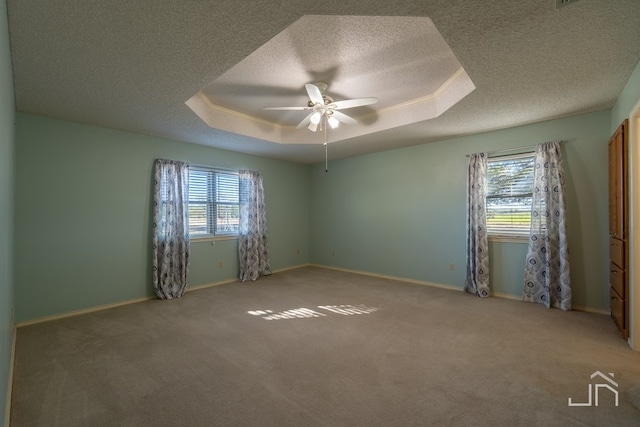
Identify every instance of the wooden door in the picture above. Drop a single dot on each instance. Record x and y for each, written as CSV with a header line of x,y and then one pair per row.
x,y
619,229
617,181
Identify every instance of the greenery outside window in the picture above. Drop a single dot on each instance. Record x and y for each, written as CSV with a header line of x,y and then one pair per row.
x,y
213,202
509,195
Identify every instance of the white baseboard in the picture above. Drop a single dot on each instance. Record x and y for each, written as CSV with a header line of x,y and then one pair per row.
x,y
573,307
451,287
133,301
591,310
224,282
396,278
108,306
208,285
79,312
506,296
328,267
12,359
295,267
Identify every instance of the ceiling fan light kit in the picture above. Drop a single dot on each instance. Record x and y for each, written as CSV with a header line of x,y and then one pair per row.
x,y
324,107
315,118
333,122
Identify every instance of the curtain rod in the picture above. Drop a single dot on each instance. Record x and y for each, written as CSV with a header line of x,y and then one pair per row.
x,y
513,151
213,167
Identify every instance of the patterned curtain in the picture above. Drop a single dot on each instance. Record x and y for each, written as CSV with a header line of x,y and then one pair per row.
x,y
170,228
477,281
547,269
252,245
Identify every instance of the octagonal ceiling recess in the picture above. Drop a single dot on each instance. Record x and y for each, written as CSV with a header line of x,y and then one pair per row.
x,y
402,61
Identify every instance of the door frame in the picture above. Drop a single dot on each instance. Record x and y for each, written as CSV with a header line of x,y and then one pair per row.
x,y
634,227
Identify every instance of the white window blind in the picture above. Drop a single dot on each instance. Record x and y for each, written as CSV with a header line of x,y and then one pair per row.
x,y
509,193
213,202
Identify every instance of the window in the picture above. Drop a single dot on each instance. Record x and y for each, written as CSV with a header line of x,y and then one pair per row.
x,y
509,193
213,202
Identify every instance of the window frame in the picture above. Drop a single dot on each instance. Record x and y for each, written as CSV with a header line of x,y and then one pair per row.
x,y
505,234
212,203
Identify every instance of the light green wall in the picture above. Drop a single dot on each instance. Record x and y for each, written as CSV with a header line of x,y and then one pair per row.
x,y
627,100
84,214
402,212
7,117
83,209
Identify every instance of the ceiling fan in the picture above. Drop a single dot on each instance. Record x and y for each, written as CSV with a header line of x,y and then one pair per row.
x,y
324,107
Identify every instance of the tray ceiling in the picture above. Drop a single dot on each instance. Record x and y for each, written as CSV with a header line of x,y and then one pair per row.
x,y
402,61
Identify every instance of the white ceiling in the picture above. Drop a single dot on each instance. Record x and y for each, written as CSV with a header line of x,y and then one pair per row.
x,y
402,61
132,65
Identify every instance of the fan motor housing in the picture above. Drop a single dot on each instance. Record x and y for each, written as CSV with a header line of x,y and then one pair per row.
x,y
327,100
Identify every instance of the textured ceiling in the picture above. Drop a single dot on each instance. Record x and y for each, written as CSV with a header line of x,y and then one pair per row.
x,y
358,57
132,65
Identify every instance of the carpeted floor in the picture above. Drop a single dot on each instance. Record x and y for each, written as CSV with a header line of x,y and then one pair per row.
x,y
316,347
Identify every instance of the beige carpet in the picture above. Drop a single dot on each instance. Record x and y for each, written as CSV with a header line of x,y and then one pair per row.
x,y
316,347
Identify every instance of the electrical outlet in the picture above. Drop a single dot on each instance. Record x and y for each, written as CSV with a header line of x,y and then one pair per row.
x,y
297,251
220,264
452,267
333,253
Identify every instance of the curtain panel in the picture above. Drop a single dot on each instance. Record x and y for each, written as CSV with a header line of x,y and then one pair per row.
x,y
547,278
170,246
253,247
477,280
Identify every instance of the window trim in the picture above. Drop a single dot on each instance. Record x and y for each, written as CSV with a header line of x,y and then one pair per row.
x,y
213,237
506,238
503,235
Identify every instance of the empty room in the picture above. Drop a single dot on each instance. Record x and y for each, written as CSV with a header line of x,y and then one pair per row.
x,y
302,213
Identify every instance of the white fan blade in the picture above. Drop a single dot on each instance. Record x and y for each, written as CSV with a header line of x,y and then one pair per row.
x,y
351,103
286,108
314,93
304,121
344,118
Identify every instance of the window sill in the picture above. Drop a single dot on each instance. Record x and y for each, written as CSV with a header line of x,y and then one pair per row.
x,y
508,238
212,239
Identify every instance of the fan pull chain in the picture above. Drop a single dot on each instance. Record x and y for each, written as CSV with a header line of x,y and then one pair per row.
x,y
326,158
326,161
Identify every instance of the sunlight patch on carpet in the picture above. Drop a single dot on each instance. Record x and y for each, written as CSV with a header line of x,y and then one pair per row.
x,y
301,313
